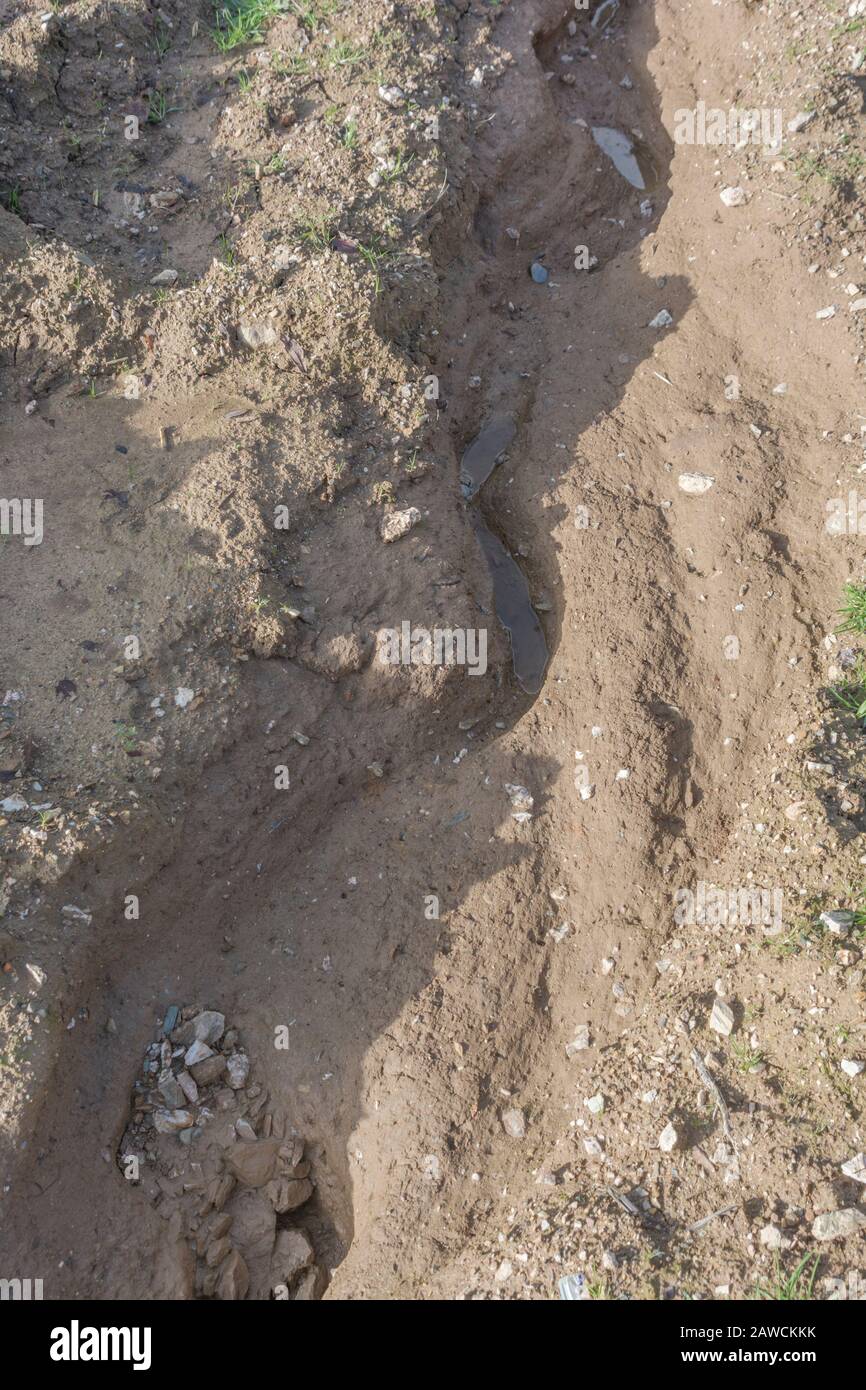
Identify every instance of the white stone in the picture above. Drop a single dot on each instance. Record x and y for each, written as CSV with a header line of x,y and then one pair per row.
x,y
397,524
514,1123
833,1225
237,1069
722,1018
669,1138
257,335
171,1121
771,1237
855,1168
392,96
695,483
580,1041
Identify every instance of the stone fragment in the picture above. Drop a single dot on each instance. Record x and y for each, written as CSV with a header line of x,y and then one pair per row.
x,y
172,1094
580,1042
188,1086
293,1193
392,95
771,1237
253,1164
292,1254
396,524
695,483
257,335
238,1068
210,1070
234,1279
514,1123
722,1018
855,1168
669,1139
838,922
208,1026
835,1225
171,1121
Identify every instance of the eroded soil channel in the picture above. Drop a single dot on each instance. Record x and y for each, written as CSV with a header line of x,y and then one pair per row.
x,y
307,918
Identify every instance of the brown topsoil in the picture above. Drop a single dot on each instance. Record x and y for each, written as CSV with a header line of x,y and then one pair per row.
x,y
257,301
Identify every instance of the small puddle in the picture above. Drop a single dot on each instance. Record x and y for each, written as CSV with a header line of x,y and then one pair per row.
x,y
514,610
624,155
479,459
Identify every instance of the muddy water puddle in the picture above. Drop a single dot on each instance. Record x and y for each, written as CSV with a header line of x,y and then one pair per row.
x,y
510,589
627,156
479,459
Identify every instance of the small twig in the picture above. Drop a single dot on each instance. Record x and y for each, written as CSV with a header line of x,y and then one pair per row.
x,y
705,1220
721,1104
626,1203
415,221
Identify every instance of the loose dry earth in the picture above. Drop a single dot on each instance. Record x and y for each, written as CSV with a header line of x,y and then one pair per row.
x,y
480,1028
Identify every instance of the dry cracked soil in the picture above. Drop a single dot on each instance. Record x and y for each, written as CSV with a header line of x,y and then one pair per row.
x,y
433,659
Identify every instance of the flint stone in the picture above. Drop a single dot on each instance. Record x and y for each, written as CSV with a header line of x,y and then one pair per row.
x,y
238,1067
855,1168
397,524
257,335
722,1018
514,1123
669,1139
833,1225
188,1086
172,1095
171,1121
198,1052
839,923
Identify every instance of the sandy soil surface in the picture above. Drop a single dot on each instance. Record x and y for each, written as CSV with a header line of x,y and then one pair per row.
x,y
327,971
